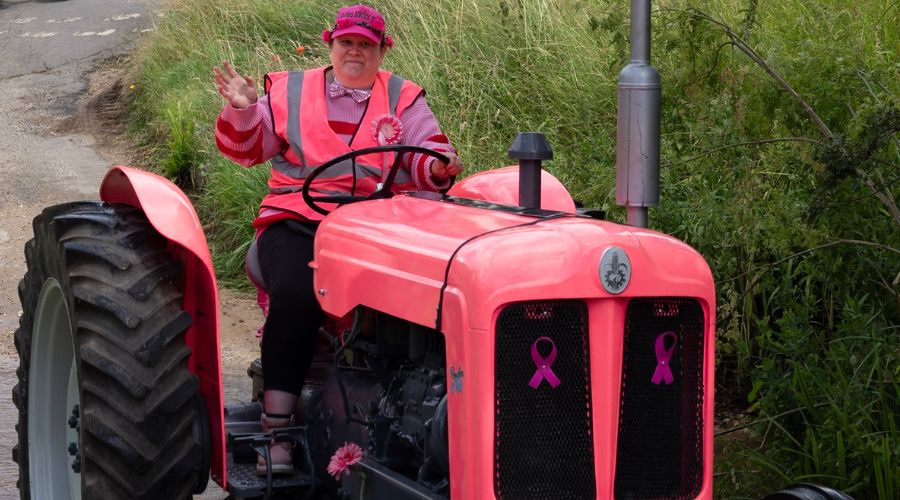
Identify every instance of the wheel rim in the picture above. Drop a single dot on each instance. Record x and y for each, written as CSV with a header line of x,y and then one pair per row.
x,y
52,376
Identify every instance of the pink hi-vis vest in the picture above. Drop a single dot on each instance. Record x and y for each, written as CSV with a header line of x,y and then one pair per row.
x,y
300,117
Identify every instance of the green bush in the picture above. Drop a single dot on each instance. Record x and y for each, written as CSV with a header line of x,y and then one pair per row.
x,y
788,188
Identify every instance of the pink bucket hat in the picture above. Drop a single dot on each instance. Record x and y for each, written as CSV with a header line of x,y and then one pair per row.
x,y
360,20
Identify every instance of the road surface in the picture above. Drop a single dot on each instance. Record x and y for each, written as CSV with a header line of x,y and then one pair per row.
x,y
61,70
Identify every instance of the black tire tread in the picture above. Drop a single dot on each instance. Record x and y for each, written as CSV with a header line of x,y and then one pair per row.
x,y
118,365
136,389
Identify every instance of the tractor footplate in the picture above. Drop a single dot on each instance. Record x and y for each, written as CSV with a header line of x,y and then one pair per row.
x,y
243,480
246,441
244,483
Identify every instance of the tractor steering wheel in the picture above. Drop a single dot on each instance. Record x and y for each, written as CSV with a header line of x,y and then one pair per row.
x,y
384,192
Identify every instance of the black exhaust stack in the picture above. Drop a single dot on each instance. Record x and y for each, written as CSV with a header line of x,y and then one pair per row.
x,y
530,148
637,124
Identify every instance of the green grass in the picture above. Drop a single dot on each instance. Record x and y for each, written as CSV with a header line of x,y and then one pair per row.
x,y
804,256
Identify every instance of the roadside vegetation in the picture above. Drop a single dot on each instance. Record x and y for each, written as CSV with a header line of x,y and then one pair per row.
x,y
780,164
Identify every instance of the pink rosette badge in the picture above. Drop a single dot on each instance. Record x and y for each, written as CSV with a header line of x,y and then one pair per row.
x,y
387,129
343,458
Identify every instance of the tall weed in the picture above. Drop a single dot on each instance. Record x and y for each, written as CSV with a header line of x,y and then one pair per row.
x,y
181,148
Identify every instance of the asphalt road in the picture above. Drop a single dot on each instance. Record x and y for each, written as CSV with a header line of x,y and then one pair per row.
x,y
49,54
46,53
55,59
41,37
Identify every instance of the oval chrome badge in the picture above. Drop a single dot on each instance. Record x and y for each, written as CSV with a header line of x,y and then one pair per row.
x,y
615,270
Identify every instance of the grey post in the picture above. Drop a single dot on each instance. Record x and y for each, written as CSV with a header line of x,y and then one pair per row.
x,y
637,123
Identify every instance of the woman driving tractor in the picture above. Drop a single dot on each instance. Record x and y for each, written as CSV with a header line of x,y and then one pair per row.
x,y
305,119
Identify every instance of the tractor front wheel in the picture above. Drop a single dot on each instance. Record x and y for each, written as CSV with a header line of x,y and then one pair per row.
x,y
107,405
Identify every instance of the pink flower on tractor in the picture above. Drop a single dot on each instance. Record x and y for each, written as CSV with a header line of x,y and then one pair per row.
x,y
343,458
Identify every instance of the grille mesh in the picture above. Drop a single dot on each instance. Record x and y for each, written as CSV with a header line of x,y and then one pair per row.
x,y
660,447
543,443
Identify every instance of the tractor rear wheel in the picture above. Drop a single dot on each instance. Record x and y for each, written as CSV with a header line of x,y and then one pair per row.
x,y
107,405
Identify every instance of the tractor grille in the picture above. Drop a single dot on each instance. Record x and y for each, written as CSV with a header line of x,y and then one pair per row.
x,y
660,444
543,442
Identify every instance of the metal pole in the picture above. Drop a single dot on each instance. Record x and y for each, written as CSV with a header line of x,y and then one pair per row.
x,y
637,216
640,31
637,123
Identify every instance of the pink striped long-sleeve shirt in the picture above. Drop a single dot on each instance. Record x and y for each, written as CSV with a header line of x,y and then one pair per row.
x,y
246,136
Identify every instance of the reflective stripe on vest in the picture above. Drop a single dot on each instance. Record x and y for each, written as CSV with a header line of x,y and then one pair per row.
x,y
395,85
294,91
312,190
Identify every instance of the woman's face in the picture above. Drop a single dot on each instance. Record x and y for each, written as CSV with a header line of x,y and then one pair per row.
x,y
356,60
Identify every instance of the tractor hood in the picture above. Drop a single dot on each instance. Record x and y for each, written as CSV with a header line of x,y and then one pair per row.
x,y
411,255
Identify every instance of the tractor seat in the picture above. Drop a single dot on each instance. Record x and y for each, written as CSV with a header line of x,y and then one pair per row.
x,y
251,260
251,265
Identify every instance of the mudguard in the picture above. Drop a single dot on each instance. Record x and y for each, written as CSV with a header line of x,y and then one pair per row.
x,y
172,215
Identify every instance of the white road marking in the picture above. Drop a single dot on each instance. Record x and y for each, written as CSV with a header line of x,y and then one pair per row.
x,y
145,30
69,20
2,32
38,34
24,20
122,17
94,33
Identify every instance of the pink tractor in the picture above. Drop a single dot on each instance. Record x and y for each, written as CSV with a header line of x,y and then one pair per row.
x,y
495,348
494,341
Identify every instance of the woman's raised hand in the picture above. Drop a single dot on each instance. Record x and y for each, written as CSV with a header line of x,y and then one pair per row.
x,y
239,91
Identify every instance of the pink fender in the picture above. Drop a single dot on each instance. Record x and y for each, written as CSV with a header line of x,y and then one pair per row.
x,y
172,215
502,186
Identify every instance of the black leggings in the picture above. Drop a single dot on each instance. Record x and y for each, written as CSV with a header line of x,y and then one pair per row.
x,y
289,335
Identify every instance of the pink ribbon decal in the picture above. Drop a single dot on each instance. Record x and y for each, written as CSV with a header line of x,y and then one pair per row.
x,y
543,365
663,371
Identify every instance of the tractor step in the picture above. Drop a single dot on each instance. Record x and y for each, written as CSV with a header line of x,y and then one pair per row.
x,y
244,483
244,436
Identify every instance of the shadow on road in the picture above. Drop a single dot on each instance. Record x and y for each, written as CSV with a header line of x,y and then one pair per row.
x,y
9,3
5,4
